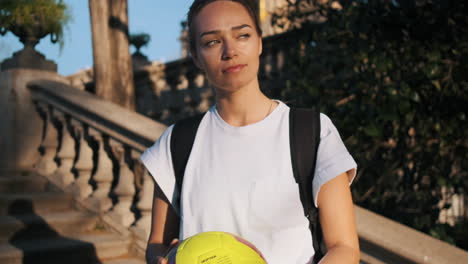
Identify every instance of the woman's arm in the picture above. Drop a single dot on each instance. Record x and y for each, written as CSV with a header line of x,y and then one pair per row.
x,y
164,227
336,212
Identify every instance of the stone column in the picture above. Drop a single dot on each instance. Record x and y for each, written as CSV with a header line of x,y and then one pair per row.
x,y
20,125
113,72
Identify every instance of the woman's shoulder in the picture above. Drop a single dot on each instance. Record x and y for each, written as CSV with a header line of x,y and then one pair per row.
x,y
166,135
158,147
326,126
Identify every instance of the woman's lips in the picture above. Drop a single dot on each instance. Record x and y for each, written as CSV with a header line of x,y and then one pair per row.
x,y
235,68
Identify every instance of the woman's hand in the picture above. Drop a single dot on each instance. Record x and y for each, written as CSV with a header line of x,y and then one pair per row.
x,y
162,259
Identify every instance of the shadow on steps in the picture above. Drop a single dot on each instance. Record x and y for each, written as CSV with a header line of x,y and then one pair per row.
x,y
42,244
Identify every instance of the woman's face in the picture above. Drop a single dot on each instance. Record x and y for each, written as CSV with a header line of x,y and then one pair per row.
x,y
227,45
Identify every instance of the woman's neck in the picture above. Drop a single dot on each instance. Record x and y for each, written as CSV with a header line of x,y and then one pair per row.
x,y
244,106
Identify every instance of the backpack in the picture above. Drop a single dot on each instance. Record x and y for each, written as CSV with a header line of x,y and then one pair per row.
x,y
304,138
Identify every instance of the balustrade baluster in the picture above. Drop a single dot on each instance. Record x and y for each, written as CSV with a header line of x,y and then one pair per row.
x,y
103,176
84,165
280,61
199,81
182,82
125,189
160,85
63,175
182,97
174,98
206,97
192,98
268,65
46,164
145,203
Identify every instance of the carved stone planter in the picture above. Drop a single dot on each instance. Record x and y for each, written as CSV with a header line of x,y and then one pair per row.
x,y
28,57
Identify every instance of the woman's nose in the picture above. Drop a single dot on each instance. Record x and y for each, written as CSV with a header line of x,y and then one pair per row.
x,y
229,50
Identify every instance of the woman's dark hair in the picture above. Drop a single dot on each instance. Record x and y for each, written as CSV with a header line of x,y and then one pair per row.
x,y
250,5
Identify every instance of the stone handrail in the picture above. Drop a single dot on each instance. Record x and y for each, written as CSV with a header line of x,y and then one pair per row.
x,y
79,126
126,126
385,241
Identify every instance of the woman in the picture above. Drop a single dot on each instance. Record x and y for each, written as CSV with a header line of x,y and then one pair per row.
x,y
239,177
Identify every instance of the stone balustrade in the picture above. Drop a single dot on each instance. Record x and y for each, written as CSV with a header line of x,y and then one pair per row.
x,y
171,91
91,148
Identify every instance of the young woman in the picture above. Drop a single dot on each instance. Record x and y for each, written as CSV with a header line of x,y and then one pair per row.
x,y
239,175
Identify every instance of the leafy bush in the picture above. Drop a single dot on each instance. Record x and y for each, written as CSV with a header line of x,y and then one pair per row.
x,y
49,15
393,75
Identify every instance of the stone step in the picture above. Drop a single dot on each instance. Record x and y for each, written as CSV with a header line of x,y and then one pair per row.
x,y
89,248
34,203
49,224
23,184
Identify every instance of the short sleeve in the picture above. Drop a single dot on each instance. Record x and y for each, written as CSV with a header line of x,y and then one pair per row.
x,y
333,158
158,161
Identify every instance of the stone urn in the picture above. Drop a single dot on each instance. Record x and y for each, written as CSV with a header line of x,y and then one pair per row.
x,y
28,57
139,41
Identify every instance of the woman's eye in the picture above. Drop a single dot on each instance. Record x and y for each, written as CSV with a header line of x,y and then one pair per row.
x,y
244,36
210,43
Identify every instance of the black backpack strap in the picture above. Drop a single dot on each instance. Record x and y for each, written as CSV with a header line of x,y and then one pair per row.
x,y
182,138
304,134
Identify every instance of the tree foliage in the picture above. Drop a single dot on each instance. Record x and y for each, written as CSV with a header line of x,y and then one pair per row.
x,y
394,77
51,16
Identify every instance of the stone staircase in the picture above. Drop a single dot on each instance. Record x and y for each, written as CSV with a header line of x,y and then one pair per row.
x,y
39,223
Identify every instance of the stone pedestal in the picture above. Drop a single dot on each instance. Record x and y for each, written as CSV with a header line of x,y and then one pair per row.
x,y
28,58
21,127
139,60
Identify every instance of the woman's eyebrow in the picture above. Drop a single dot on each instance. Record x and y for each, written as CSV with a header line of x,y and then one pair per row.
x,y
240,27
218,31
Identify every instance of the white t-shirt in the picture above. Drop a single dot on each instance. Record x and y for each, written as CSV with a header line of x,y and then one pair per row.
x,y
240,180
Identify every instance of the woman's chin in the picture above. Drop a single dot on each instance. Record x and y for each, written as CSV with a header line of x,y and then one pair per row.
x,y
228,89
231,87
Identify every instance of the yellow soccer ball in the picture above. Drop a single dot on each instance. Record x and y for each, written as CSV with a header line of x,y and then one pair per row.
x,y
215,248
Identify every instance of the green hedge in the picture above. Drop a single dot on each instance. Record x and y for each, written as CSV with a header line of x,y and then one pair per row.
x,y
393,75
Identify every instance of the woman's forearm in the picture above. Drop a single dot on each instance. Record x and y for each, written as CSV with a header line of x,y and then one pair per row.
x,y
341,254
